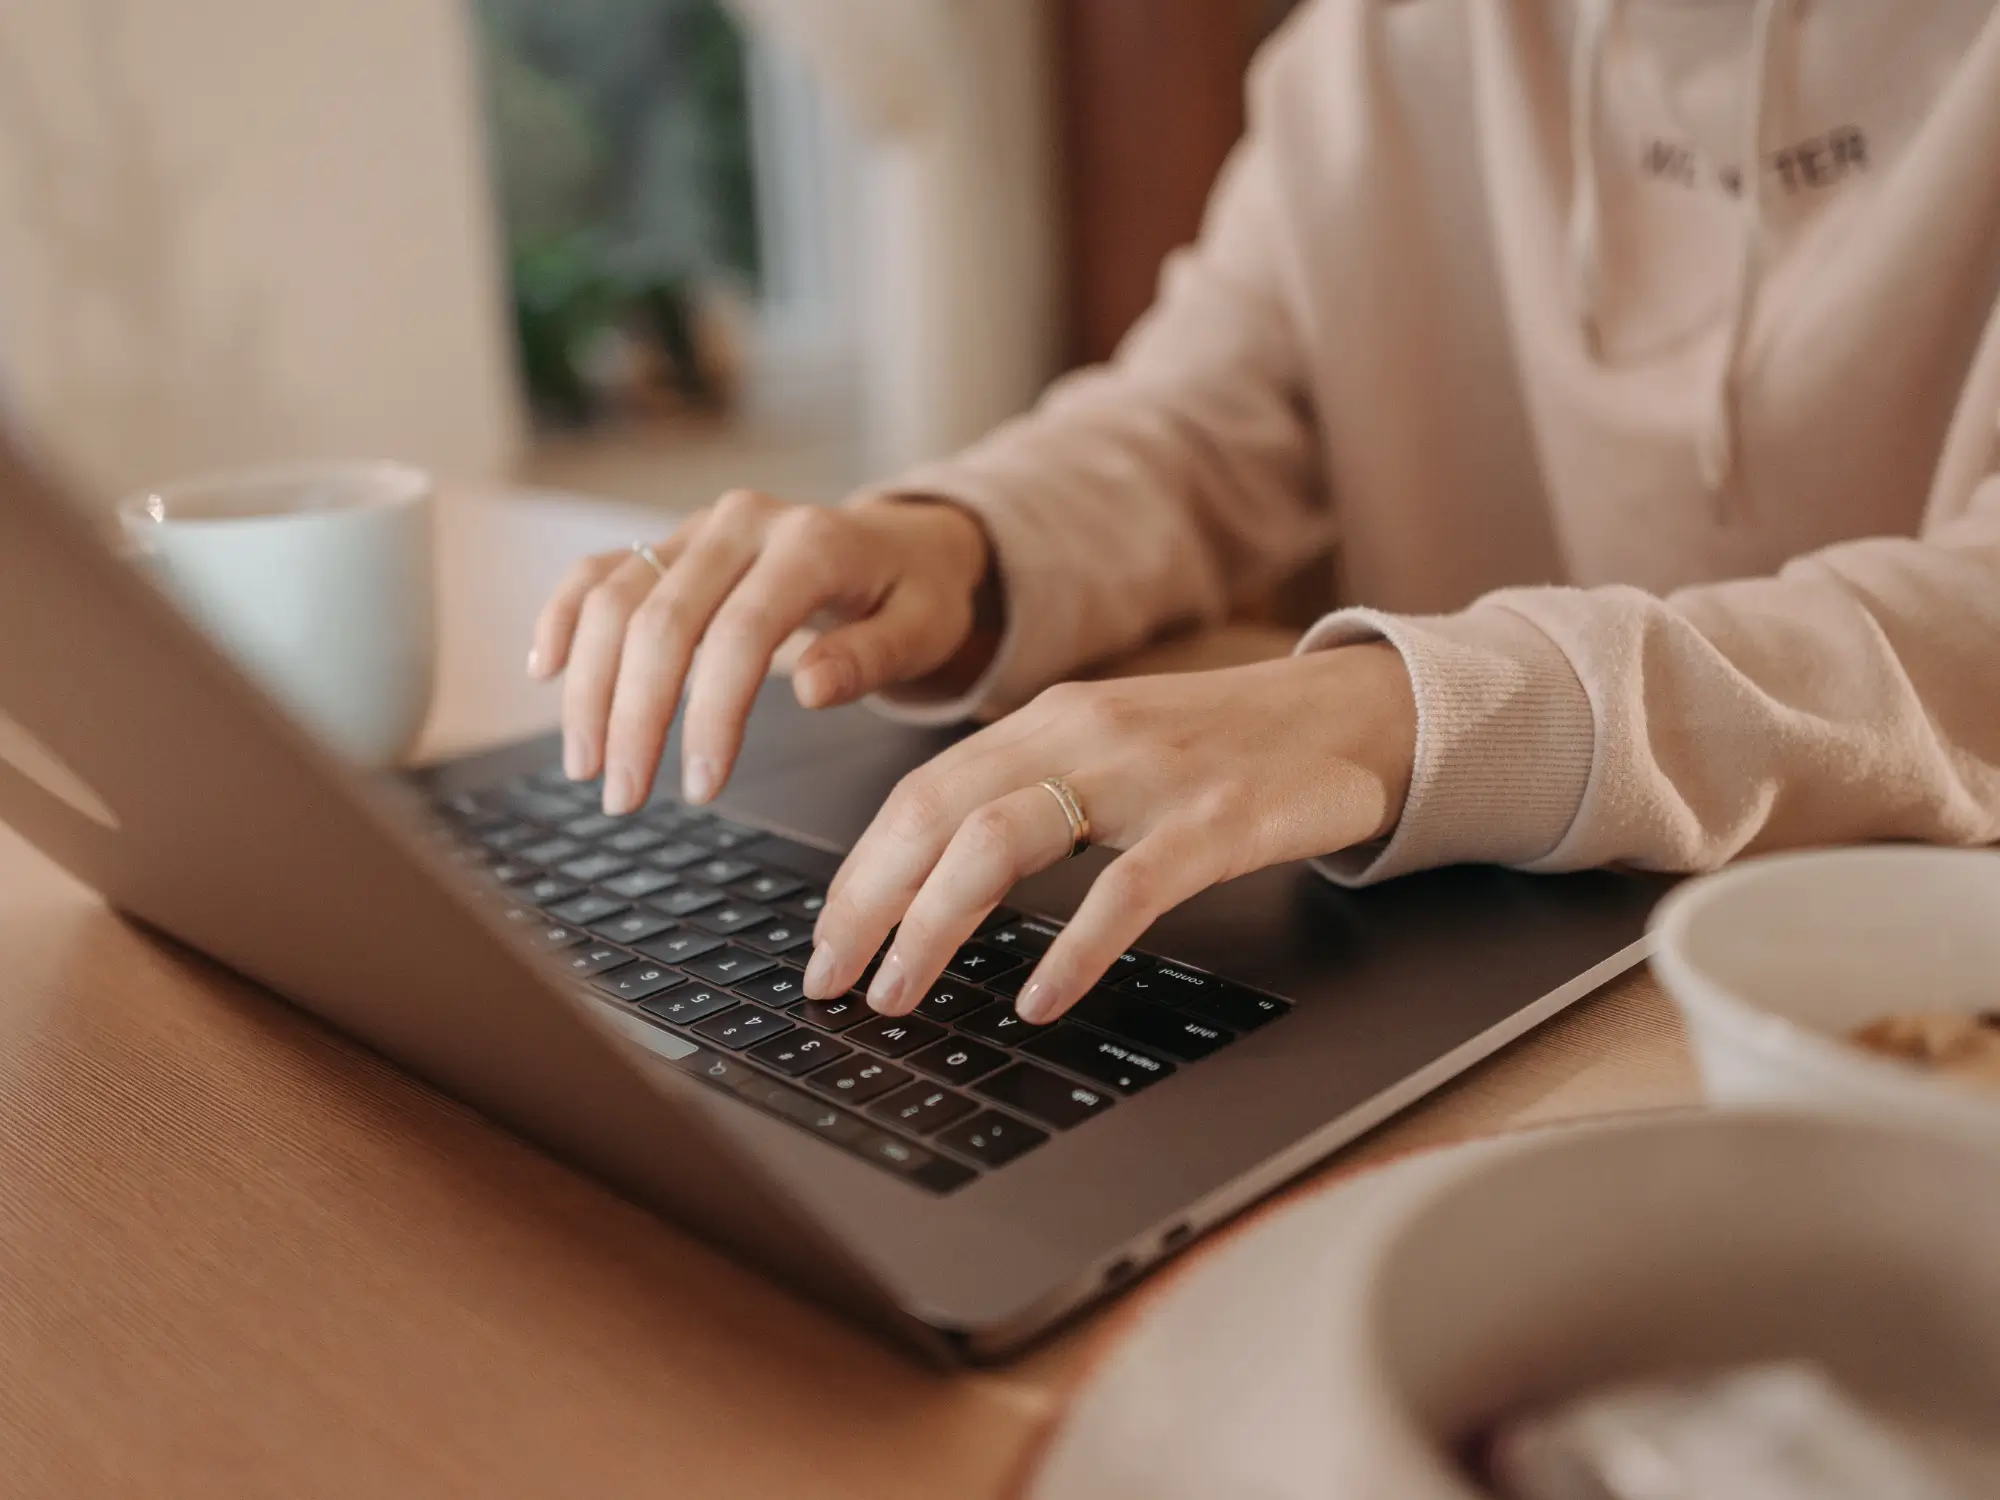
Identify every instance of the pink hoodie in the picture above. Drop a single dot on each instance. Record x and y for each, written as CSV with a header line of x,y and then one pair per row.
x,y
1641,363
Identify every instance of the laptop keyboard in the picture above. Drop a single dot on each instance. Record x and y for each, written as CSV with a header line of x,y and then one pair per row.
x,y
699,925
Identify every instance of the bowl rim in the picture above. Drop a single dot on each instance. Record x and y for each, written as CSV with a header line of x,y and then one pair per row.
x,y
1767,1033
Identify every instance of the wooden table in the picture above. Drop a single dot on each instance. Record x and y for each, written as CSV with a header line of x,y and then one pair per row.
x,y
240,1257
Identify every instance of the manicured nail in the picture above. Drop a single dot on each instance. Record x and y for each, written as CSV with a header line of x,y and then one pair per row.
x,y
887,989
621,792
820,972
1036,1003
818,685
534,663
698,780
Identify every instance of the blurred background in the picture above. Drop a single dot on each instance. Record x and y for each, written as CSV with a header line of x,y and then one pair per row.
x,y
642,248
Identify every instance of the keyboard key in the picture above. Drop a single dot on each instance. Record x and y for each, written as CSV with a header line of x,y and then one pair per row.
x,y
1104,1058
639,981
922,1167
737,1029
511,871
681,946
922,1108
593,868
958,1059
723,871
632,838
552,808
686,1006
550,851
951,1001
1029,936
595,958
732,917
1037,1092
992,1139
780,988
686,900
548,890
1176,1033
728,966
1127,964
586,910
1008,986
858,1078
799,1052
822,1119
507,836
553,937
636,885
771,885
833,1015
550,779
466,806
1245,1010
591,826
781,936
676,856
892,1036
1171,984
724,836
976,961
1000,1024
808,904
632,927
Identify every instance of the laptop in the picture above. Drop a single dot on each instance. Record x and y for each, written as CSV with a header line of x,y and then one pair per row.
x,y
625,992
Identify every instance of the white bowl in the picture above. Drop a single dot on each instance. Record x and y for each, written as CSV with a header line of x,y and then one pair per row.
x,y
1348,1345
1774,960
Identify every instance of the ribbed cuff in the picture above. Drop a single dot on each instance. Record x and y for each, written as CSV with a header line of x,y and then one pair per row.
x,y
1035,614
1505,740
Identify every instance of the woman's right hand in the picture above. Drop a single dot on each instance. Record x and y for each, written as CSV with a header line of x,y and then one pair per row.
x,y
901,576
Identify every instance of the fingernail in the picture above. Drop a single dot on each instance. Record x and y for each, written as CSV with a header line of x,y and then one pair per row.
x,y
698,779
888,986
534,663
621,792
1037,1001
820,972
576,765
819,685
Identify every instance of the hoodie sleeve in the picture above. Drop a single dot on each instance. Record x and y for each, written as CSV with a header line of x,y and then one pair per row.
x,y
1854,696
1160,489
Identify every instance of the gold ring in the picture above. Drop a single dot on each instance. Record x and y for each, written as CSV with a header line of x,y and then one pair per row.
x,y
645,550
1073,813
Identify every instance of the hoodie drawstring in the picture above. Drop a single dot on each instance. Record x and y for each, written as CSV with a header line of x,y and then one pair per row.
x,y
1717,440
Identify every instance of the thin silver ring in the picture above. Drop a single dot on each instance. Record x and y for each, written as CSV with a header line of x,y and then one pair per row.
x,y
645,550
1072,810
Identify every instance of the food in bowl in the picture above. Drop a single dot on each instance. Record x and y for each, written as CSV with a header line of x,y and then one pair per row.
x,y
1950,1043
1778,1431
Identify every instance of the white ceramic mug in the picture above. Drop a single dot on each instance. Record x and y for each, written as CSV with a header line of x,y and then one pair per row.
x,y
319,580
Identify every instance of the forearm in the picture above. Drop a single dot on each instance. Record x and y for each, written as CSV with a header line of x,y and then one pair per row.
x,y
1854,696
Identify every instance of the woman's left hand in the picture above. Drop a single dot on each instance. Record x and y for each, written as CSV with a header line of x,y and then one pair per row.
x,y
1197,777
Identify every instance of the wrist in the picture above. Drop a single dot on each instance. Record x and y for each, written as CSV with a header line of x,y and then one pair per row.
x,y
1374,719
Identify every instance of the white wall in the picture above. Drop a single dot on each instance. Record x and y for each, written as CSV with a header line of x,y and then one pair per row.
x,y
233,230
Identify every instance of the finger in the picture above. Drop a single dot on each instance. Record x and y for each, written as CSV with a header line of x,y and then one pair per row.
x,y
556,624
659,642
901,640
1134,891
807,564
882,873
1003,842
593,662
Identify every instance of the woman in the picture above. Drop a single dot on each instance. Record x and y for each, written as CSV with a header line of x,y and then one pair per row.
x,y
1642,363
